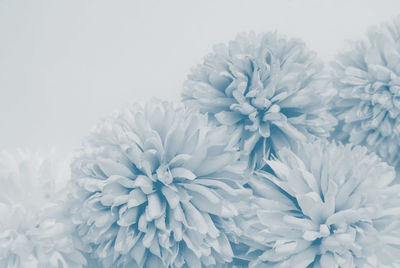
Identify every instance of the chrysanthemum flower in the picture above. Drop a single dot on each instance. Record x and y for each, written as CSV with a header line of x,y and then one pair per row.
x,y
32,232
327,205
269,89
367,78
156,186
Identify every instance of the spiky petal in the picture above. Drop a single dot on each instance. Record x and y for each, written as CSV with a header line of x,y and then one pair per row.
x,y
327,205
32,230
269,89
367,78
156,186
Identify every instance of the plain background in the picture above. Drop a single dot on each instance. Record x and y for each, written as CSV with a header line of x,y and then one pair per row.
x,y
65,64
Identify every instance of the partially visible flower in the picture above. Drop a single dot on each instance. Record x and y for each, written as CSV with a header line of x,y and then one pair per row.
x,y
326,205
269,89
367,78
32,231
156,186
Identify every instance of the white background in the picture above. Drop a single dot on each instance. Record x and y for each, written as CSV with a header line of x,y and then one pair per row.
x,y
65,64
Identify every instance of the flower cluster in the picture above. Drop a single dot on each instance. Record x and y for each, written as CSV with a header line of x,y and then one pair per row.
x,y
156,186
269,162
269,89
368,102
32,230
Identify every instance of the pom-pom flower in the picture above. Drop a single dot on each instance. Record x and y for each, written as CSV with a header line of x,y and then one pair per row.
x,y
269,89
367,78
156,186
328,205
32,232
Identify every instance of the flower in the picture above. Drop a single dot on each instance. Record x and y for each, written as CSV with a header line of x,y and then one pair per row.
x,y
156,186
367,78
32,233
269,89
326,205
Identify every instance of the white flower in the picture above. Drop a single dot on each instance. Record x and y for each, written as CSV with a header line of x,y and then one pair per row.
x,y
32,231
269,89
156,186
327,205
367,78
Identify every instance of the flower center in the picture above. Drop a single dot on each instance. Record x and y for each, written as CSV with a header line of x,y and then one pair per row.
x,y
163,174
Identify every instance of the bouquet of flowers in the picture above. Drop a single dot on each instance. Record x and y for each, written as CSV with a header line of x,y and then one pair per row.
x,y
270,160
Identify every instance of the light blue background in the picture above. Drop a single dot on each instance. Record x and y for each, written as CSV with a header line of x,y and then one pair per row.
x,y
64,64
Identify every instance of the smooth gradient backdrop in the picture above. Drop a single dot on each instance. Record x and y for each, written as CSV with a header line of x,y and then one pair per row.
x,y
65,64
